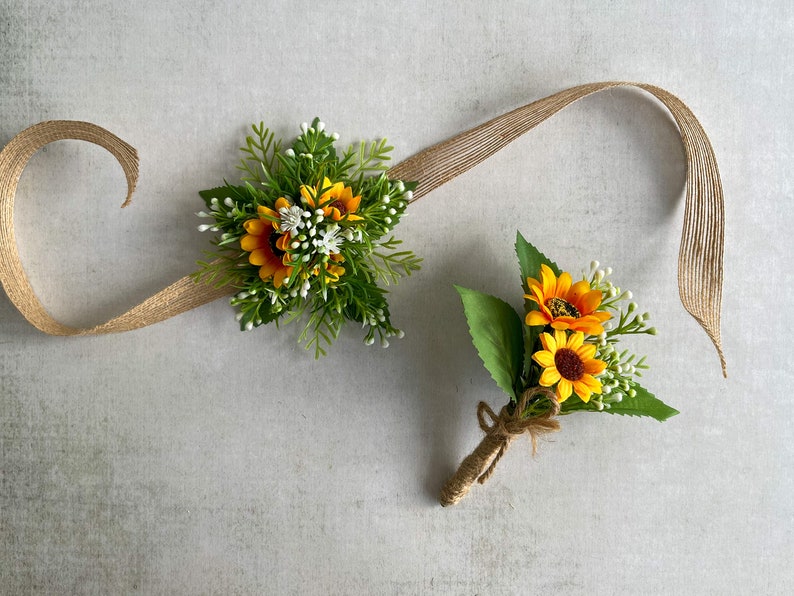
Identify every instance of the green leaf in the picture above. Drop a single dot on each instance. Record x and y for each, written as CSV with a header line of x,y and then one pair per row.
x,y
530,259
496,332
643,404
219,192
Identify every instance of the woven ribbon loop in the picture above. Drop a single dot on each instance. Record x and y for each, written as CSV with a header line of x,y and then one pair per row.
x,y
702,238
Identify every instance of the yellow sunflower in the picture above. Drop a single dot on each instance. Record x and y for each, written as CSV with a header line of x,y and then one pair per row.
x,y
268,246
565,306
568,362
336,201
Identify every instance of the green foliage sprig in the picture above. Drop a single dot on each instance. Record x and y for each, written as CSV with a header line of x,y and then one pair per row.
x,y
307,235
510,348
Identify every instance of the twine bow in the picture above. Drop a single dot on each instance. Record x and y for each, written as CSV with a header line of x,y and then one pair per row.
x,y
500,431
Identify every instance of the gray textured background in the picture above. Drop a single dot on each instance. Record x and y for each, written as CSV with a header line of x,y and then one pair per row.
x,y
190,458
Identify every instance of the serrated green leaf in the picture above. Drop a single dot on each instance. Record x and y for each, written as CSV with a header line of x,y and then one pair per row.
x,y
643,404
530,259
496,332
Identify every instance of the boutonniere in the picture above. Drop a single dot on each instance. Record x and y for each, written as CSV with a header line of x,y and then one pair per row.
x,y
562,355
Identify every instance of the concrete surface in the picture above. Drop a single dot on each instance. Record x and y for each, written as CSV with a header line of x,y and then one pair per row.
x,y
190,458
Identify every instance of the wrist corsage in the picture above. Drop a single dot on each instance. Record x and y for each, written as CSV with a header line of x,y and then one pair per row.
x,y
562,357
309,233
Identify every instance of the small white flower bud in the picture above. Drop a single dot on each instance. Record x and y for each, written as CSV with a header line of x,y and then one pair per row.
x,y
387,220
335,136
608,271
400,333
289,152
249,325
238,316
628,295
228,202
392,211
204,227
203,214
409,195
384,342
304,127
369,340
321,126
386,199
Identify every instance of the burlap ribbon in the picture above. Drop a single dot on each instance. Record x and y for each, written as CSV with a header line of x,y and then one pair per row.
x,y
700,255
479,465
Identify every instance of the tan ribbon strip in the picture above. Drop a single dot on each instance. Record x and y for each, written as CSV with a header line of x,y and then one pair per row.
x,y
702,238
700,255
177,298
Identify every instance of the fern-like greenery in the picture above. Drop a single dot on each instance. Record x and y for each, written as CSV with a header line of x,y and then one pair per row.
x,y
301,235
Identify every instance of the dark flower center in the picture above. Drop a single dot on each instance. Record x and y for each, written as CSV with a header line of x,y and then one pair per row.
x,y
339,205
562,308
273,239
568,364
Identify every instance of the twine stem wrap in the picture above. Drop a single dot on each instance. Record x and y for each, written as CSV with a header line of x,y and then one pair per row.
x,y
700,255
480,464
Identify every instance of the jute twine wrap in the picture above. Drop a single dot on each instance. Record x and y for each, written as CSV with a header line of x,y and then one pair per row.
x,y
480,464
700,256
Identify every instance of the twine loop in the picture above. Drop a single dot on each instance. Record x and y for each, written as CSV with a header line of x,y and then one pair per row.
x,y
500,430
510,424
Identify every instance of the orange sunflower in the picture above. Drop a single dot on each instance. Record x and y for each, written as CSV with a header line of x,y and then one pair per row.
x,y
565,306
568,362
267,245
336,201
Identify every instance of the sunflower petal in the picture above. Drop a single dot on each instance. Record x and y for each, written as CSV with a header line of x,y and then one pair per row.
x,y
591,382
575,341
268,268
250,243
579,289
548,342
256,227
267,211
550,376
278,276
544,358
594,367
560,338
584,351
563,285
590,301
536,317
582,390
564,388
549,281
260,256
307,192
